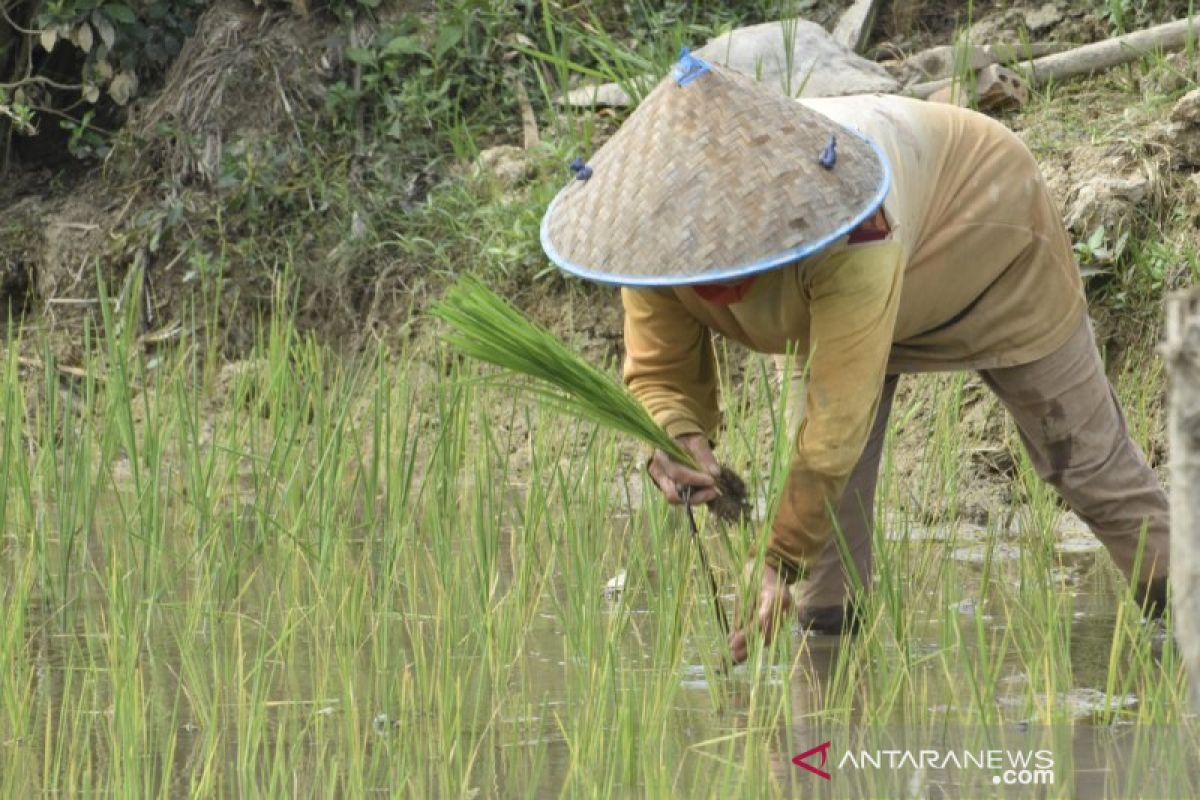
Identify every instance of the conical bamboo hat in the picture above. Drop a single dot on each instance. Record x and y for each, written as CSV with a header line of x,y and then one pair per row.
x,y
713,177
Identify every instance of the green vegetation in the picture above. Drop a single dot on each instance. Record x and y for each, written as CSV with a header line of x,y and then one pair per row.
x,y
302,548
67,63
491,330
387,576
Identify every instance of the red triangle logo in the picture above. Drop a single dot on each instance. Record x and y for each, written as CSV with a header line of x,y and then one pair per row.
x,y
823,749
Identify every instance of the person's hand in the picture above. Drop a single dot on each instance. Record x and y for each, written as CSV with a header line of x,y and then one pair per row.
x,y
774,607
670,476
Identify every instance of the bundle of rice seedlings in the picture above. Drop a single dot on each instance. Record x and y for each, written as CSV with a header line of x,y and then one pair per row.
x,y
488,328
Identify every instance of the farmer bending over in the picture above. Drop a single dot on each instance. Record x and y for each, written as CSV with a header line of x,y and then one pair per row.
x,y
872,236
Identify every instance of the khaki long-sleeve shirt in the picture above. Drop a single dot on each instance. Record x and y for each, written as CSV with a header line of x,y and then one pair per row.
x,y
978,273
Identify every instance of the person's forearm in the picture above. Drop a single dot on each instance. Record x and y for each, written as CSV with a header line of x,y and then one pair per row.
x,y
803,524
670,366
672,408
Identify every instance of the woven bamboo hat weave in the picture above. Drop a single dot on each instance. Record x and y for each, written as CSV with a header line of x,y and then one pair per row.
x,y
714,177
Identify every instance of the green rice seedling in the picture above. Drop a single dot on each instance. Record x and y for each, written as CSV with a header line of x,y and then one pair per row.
x,y
380,574
17,683
491,330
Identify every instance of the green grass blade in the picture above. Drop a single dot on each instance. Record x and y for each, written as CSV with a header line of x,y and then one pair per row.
x,y
488,328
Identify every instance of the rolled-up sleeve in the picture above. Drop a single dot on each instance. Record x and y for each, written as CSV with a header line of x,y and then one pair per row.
x,y
670,365
853,297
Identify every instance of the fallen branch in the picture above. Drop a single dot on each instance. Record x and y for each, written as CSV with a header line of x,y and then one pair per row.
x,y
1090,58
944,61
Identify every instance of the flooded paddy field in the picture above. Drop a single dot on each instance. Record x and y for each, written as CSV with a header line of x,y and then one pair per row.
x,y
326,570
312,576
